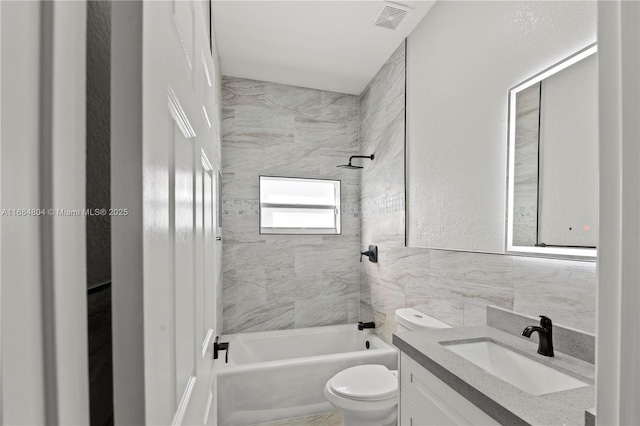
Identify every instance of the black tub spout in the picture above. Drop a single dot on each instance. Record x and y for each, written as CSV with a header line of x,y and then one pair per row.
x,y
363,325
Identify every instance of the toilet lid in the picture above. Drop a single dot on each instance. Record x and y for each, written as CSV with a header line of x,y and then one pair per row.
x,y
365,382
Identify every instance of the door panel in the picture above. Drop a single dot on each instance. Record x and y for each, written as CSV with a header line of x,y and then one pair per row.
x,y
174,257
208,300
184,263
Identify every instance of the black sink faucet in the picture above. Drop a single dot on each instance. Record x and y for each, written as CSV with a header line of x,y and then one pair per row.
x,y
545,346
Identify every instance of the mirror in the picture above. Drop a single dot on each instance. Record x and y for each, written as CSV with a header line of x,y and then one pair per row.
x,y
552,205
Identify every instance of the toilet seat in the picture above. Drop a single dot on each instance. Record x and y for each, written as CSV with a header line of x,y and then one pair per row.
x,y
370,382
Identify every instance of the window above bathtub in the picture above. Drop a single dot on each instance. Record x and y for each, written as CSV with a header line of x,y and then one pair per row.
x,y
299,206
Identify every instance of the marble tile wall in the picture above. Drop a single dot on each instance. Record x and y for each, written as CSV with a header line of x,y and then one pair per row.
x,y
453,286
275,282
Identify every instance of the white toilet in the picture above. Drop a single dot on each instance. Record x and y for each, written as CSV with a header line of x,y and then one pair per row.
x,y
368,394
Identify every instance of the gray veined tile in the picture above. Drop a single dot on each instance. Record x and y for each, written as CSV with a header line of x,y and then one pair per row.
x,y
230,300
242,229
252,294
241,91
475,278
327,134
366,311
228,257
353,307
341,281
478,294
385,226
274,258
303,102
276,242
365,286
248,138
242,158
447,310
242,184
322,310
386,300
270,316
337,106
385,325
306,261
228,122
404,267
272,272
298,161
281,284
314,286
349,240
563,290
253,117
341,259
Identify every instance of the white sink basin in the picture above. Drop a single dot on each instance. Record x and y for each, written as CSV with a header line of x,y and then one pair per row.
x,y
522,372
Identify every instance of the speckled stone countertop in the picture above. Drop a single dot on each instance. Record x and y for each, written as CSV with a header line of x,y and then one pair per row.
x,y
504,402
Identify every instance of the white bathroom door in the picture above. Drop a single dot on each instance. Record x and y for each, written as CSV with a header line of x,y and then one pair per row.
x,y
44,364
163,144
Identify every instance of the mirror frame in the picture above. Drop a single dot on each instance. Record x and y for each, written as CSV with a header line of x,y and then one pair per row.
x,y
527,250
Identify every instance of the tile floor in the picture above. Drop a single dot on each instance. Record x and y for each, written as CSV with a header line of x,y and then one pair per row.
x,y
326,419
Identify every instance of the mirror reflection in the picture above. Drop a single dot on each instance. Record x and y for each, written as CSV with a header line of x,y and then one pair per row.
x,y
553,160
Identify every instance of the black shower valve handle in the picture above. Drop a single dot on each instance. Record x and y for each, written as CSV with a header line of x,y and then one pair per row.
x,y
372,254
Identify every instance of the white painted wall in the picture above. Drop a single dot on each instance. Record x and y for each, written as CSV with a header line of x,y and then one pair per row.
x,y
462,60
22,334
618,343
44,376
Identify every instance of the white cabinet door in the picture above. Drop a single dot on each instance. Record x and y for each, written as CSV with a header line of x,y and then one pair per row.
x,y
411,415
165,147
438,403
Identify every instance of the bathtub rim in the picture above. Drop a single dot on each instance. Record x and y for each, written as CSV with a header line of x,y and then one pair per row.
x,y
223,369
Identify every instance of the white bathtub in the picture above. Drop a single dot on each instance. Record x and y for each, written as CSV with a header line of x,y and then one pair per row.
x,y
275,375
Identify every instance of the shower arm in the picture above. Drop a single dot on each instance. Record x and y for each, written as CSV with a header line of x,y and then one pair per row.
x,y
351,166
370,157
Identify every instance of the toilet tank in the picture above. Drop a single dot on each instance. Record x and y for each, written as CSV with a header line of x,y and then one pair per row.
x,y
409,319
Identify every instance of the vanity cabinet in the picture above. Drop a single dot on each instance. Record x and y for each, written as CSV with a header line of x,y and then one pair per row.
x,y
426,400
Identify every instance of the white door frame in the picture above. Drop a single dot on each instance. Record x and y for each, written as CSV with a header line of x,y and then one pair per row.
x,y
43,271
618,327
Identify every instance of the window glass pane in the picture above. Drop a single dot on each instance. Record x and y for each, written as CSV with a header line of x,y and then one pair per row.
x,y
277,217
299,206
297,191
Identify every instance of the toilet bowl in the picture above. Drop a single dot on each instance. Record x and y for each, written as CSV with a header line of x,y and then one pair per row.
x,y
365,394
368,394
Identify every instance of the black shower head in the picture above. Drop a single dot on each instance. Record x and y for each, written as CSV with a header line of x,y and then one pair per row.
x,y
350,166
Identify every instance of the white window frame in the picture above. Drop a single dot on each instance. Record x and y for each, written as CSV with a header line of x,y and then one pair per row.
x,y
337,230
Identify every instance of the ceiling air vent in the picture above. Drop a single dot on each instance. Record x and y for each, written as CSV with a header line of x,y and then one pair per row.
x,y
390,15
